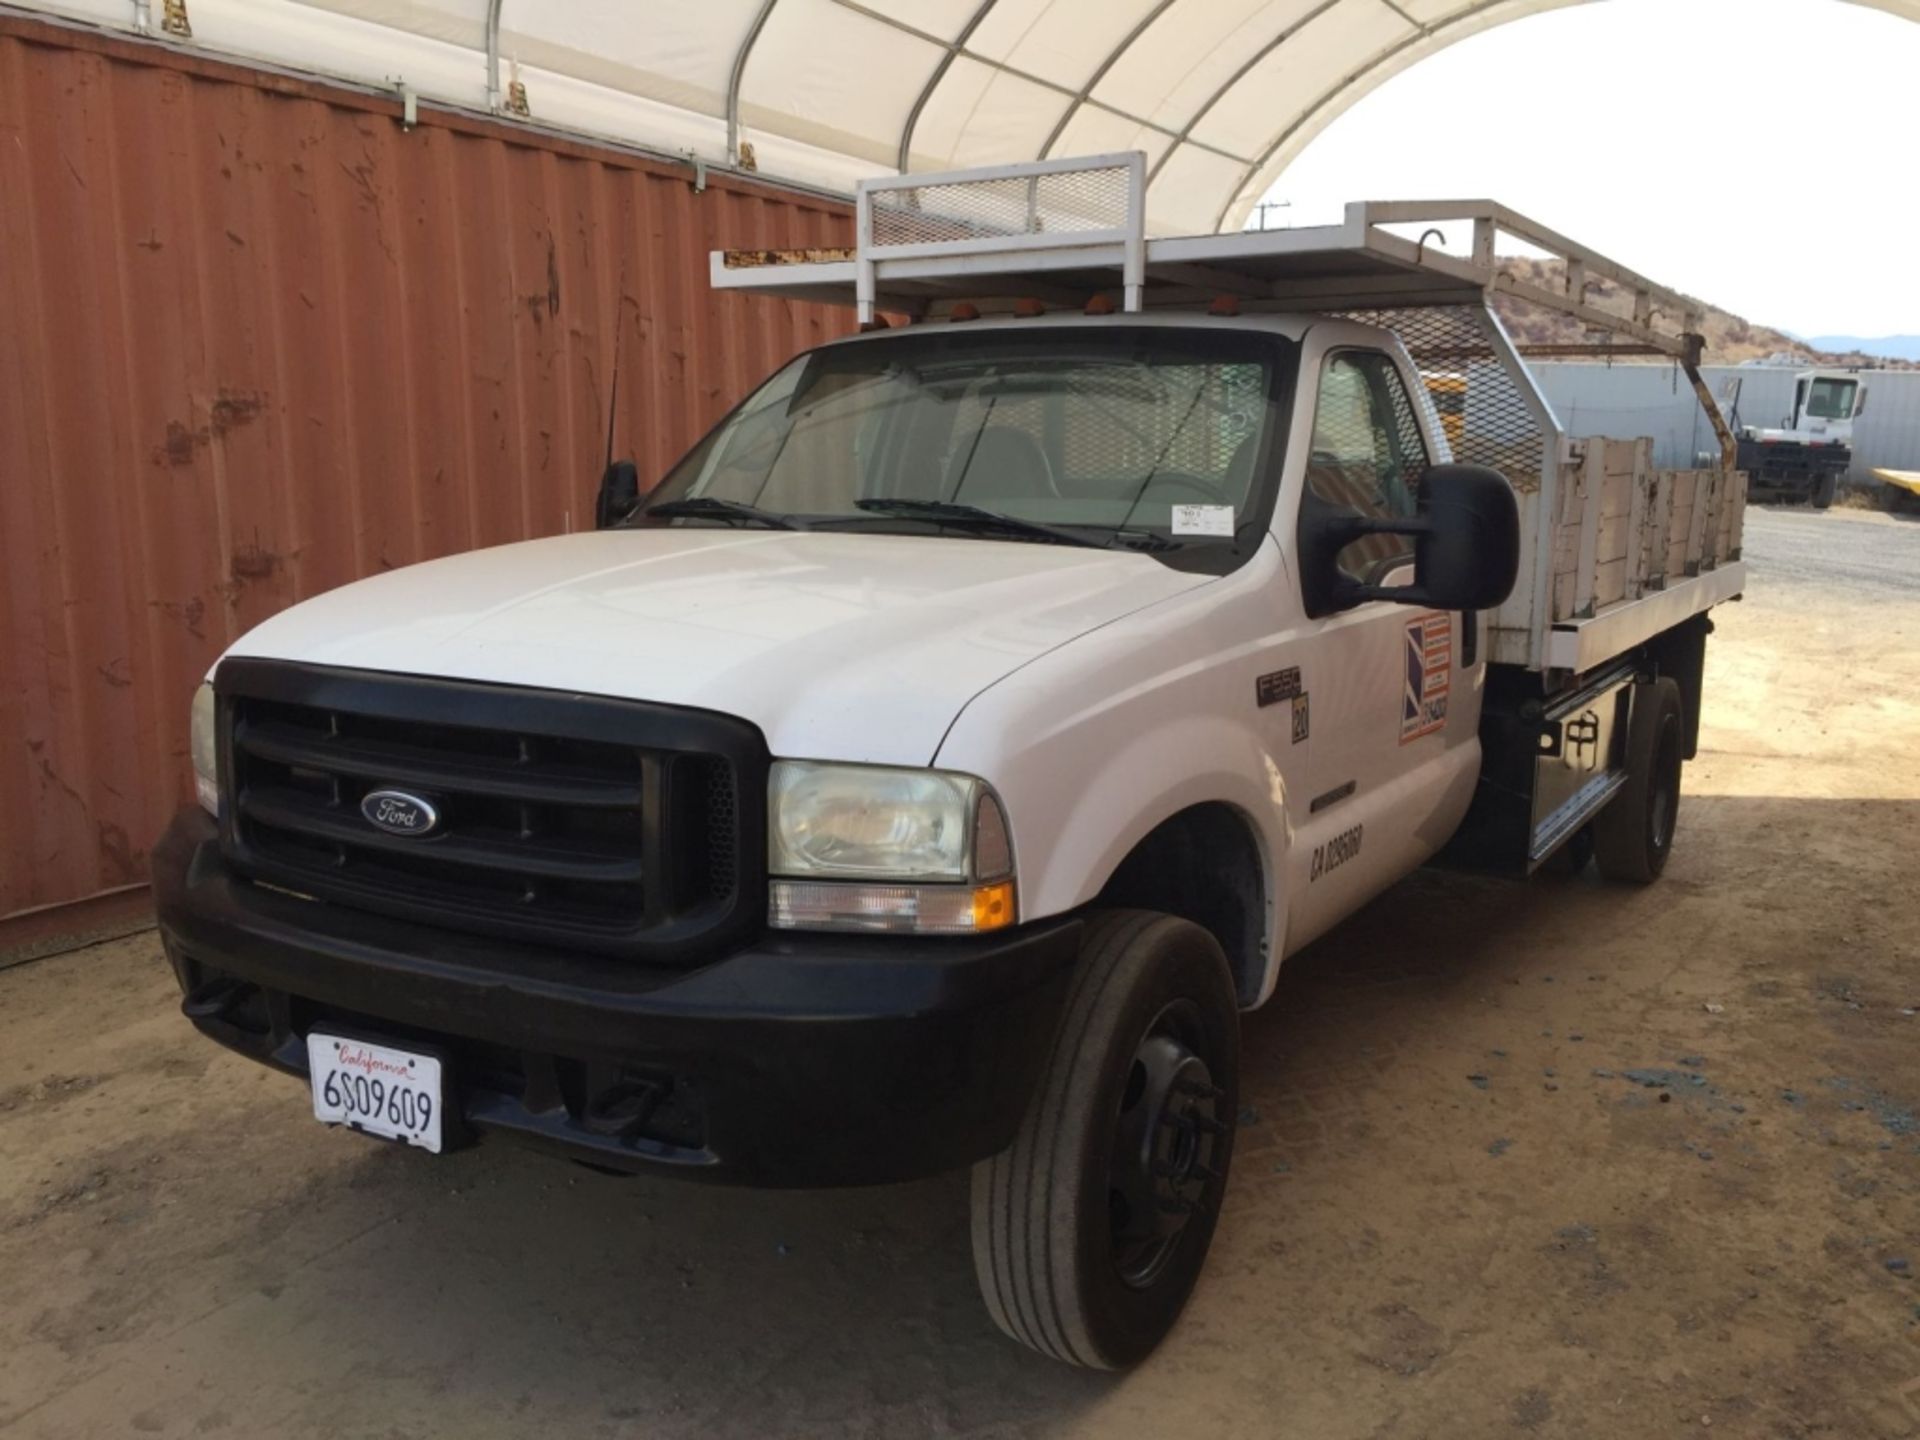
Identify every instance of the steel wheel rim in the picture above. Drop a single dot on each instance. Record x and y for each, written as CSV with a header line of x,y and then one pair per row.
x,y
1167,1133
1664,803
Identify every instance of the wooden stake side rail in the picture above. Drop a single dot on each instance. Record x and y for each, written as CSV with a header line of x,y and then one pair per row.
x,y
1634,549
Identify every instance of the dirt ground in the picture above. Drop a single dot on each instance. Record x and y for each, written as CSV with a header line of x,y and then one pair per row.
x,y
1555,1160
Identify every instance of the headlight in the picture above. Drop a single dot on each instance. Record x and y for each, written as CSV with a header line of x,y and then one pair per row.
x,y
937,840
853,820
204,746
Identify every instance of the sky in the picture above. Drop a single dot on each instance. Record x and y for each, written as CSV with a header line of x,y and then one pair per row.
x,y
1763,155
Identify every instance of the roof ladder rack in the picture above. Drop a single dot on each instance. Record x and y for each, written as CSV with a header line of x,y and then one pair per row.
x,y
1063,231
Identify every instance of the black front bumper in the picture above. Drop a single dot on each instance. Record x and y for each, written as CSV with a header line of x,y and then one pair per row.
x,y
802,1060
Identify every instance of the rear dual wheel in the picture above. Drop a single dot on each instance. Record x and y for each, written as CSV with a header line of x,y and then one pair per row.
x,y
1090,1231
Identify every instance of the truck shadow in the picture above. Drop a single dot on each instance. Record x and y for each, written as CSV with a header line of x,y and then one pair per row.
x,y
684,1309
663,1308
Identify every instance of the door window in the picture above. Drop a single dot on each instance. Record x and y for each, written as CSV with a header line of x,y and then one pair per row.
x,y
1367,456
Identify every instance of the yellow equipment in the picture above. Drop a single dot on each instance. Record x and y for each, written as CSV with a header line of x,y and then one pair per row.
x,y
1449,394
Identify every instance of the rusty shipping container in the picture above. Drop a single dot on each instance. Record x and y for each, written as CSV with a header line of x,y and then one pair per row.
x,y
256,340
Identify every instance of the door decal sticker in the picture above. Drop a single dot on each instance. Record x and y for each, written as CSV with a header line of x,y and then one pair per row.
x,y
1429,676
1336,852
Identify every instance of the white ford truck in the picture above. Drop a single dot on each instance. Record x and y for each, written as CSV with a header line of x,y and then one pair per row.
x,y
930,768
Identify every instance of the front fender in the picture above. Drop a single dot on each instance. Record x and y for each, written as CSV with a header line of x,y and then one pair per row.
x,y
1097,744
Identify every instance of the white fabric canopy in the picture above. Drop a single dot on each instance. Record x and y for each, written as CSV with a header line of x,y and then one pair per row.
x,y
1220,94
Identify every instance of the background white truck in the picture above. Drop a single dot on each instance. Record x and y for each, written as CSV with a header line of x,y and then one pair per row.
x,y
1807,454
930,768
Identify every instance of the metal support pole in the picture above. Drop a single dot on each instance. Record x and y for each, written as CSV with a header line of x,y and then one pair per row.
x,y
864,279
1135,276
737,75
1729,447
1486,235
495,96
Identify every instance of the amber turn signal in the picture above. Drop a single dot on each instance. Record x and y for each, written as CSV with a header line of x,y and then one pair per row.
x,y
993,906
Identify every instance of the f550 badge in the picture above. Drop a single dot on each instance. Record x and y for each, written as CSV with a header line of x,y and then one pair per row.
x,y
1429,676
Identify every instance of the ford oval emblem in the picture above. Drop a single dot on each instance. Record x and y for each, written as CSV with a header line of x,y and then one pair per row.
x,y
398,813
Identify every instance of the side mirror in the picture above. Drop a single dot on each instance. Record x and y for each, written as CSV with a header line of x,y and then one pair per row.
x,y
1860,405
619,493
1466,545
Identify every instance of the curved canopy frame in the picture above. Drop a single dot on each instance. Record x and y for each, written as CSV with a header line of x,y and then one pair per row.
x,y
1222,95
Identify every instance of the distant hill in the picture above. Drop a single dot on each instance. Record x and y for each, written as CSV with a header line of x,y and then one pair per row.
x,y
1731,340
1893,347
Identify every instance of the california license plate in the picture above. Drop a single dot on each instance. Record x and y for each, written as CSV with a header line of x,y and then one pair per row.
x,y
378,1089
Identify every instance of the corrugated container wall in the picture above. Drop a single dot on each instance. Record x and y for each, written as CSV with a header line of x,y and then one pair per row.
x,y
1634,400
257,339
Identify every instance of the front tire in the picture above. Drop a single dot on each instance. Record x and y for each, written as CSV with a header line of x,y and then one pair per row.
x,y
1090,1230
1824,489
1633,836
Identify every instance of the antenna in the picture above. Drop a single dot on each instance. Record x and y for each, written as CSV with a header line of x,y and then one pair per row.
x,y
613,388
619,481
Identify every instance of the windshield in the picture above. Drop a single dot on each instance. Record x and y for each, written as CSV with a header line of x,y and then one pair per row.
x,y
1831,399
1138,438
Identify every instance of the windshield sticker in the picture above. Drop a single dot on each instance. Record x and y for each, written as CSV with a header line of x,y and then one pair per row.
x,y
1429,676
1203,520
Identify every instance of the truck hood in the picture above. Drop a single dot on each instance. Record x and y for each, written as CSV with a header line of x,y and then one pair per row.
x,y
839,646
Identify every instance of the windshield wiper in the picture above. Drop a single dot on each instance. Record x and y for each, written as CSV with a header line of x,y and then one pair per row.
x,y
972,517
948,512
712,507
1145,541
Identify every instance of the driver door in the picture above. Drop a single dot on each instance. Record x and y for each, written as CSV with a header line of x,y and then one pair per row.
x,y
1390,709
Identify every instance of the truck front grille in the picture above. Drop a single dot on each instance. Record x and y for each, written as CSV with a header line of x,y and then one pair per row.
x,y
568,820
